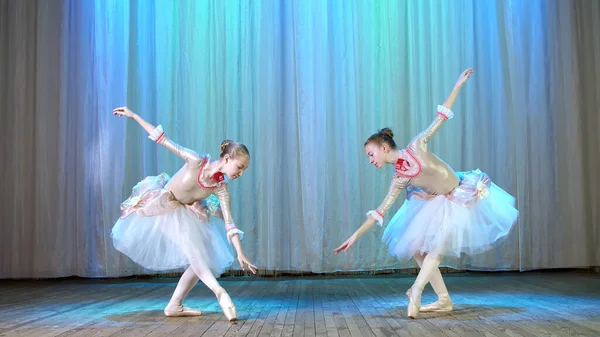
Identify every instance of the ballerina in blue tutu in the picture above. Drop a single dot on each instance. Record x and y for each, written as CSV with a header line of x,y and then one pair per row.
x,y
446,213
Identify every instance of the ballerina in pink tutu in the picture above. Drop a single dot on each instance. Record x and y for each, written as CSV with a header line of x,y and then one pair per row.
x,y
165,224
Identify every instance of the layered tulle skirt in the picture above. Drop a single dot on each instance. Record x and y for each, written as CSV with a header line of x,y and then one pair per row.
x,y
468,220
159,233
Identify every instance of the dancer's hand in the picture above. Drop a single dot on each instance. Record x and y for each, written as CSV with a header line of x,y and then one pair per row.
x,y
464,76
346,245
123,111
243,260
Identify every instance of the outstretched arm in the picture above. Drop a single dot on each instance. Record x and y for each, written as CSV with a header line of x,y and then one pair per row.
x,y
462,79
444,112
157,134
376,216
124,111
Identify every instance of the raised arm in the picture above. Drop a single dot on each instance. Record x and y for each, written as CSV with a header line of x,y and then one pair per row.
x,y
462,79
444,112
157,134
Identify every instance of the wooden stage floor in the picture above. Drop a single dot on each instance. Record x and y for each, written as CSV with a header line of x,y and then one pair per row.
x,y
486,304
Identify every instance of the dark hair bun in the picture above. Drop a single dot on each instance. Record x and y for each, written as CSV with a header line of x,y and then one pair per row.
x,y
387,131
224,144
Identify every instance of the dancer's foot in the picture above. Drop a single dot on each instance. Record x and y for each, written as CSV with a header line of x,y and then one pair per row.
x,y
414,302
180,311
229,309
443,304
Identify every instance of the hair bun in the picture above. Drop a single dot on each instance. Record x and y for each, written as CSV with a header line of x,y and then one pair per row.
x,y
224,144
387,131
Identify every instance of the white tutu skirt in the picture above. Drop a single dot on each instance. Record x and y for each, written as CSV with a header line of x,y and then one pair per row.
x,y
468,220
164,234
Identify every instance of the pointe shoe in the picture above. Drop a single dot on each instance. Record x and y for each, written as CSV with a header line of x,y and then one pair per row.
x,y
443,304
229,310
181,312
413,304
